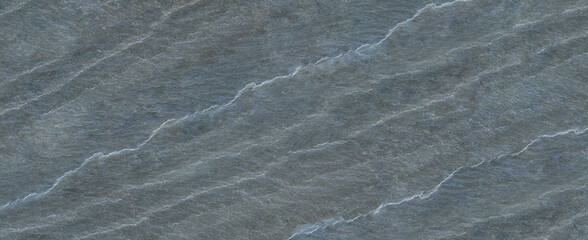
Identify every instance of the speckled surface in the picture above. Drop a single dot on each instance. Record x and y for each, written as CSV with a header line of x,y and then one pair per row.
x,y
153,119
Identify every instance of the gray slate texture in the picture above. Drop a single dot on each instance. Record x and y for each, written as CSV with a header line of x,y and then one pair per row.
x,y
293,119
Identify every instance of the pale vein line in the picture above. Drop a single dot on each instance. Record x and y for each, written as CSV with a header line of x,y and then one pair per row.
x,y
418,13
73,100
216,107
78,73
191,196
147,215
250,86
173,121
14,8
575,131
29,71
426,195
421,195
92,158
162,19
565,223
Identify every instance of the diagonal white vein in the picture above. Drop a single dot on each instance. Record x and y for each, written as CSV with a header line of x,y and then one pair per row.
x,y
426,195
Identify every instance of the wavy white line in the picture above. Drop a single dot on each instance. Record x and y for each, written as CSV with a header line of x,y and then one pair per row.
x,y
250,86
423,195
78,73
85,68
14,7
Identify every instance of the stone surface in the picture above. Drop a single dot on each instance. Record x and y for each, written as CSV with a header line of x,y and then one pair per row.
x,y
283,119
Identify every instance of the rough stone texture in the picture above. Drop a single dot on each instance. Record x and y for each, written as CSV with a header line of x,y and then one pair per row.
x,y
293,119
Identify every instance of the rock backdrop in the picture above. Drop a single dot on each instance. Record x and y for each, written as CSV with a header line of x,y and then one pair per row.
x,y
293,119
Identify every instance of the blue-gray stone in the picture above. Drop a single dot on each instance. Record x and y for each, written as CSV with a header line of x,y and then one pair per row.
x,y
293,119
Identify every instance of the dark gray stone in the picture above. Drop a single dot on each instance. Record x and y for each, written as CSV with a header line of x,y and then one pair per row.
x,y
280,119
